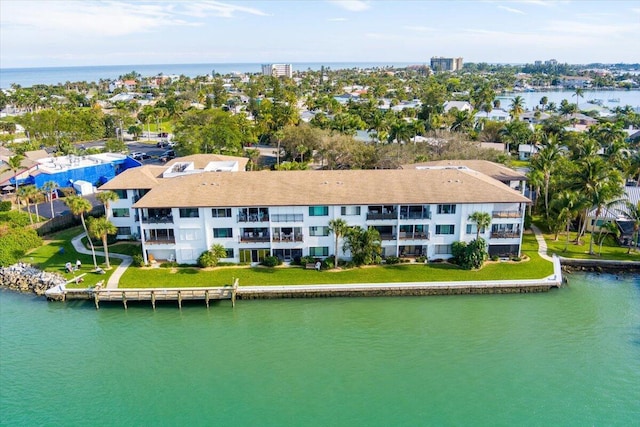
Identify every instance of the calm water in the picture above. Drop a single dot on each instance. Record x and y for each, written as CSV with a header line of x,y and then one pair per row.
x,y
609,98
568,357
27,77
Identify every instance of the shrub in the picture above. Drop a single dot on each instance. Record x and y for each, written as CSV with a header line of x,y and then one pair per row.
x,y
5,206
15,242
495,258
469,256
327,263
527,221
15,218
207,259
392,260
138,260
421,259
516,258
271,261
169,264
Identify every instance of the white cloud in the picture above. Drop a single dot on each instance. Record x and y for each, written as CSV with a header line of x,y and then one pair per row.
x,y
351,5
510,9
204,8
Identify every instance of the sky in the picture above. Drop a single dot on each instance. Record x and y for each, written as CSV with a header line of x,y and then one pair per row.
x,y
36,33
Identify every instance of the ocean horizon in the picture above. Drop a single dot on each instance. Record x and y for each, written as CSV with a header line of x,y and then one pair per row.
x,y
29,76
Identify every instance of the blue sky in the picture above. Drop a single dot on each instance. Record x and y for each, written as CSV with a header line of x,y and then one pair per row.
x,y
70,33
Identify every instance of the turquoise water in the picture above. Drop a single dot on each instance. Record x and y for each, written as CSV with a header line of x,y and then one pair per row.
x,y
568,357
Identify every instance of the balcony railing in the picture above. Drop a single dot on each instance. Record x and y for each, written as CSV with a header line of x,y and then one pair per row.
x,y
161,241
414,236
254,237
158,219
383,216
506,214
415,215
253,218
387,236
505,234
287,238
287,218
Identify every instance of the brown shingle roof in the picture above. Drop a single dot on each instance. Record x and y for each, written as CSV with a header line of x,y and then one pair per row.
x,y
494,170
143,177
303,188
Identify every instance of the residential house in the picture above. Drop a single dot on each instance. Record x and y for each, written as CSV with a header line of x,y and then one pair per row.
x,y
418,212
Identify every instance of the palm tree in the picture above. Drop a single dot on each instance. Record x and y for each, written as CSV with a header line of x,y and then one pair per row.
x,y
100,228
26,193
633,213
579,93
50,187
364,245
544,101
15,164
482,220
339,228
106,197
78,205
517,107
565,204
545,161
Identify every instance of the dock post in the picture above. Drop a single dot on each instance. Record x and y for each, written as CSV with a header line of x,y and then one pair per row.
x,y
233,292
95,299
153,299
206,297
180,300
124,299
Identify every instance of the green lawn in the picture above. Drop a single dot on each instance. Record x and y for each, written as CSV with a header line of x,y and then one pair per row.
x,y
534,268
610,249
48,257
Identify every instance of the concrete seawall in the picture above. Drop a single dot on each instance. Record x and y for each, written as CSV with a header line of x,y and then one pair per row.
x,y
609,266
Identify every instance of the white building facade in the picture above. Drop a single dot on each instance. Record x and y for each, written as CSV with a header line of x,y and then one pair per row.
x,y
287,214
277,70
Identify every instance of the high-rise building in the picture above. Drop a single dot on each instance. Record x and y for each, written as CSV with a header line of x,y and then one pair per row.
x,y
438,63
277,70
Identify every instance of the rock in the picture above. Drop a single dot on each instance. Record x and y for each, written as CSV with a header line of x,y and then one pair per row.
x,y
23,277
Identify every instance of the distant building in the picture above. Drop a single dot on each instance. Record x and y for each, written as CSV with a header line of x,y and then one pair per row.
x,y
538,63
438,63
551,62
277,70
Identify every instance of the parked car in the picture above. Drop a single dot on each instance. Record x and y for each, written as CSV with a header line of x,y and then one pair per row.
x,y
163,135
167,155
138,155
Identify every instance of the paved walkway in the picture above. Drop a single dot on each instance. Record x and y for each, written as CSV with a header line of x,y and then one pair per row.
x,y
542,244
115,277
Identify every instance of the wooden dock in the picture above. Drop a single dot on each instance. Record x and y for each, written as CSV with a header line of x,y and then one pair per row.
x,y
98,295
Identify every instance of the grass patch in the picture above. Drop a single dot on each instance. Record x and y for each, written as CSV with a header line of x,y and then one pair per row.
x,y
534,268
49,257
610,248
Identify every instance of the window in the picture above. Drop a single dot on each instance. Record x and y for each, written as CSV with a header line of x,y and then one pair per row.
x,y
350,210
318,231
473,229
122,194
445,229
222,233
229,253
318,210
442,249
319,251
221,213
189,234
189,213
120,212
124,231
446,209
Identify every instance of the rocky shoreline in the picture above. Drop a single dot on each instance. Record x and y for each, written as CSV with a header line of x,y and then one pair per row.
x,y
571,265
25,278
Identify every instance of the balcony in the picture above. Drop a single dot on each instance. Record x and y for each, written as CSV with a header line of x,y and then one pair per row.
x,y
506,214
505,235
287,218
253,218
287,238
158,219
415,215
249,237
387,236
414,236
373,216
161,241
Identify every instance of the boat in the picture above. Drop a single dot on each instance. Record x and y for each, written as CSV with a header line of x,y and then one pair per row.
x,y
613,99
596,101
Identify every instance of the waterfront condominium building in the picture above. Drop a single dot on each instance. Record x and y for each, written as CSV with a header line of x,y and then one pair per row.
x,y
438,63
277,70
181,210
